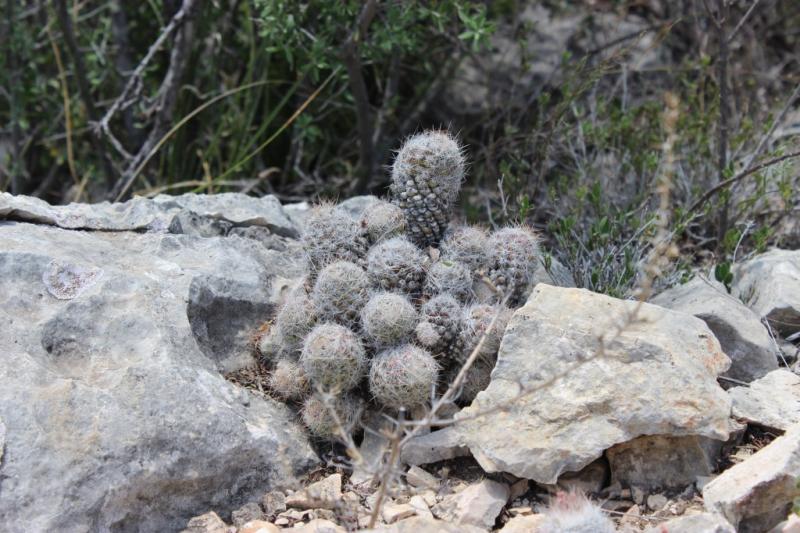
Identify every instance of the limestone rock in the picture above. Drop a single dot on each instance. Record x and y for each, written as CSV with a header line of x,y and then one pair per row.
x,y
739,330
757,493
246,513
318,525
552,272
436,446
324,494
392,512
420,524
273,502
417,477
772,401
661,462
259,526
477,505
207,523
116,411
696,523
770,285
657,377
420,506
196,214
523,524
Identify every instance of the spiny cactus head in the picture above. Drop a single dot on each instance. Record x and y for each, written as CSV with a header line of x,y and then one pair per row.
x,y
341,290
397,265
330,235
388,318
466,244
288,381
318,419
476,322
441,321
512,254
333,358
295,319
451,277
428,336
572,512
382,221
403,377
426,177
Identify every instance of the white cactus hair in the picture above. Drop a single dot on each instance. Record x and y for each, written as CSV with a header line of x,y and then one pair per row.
x,y
383,220
403,377
317,417
295,319
388,319
512,255
333,358
451,277
396,264
476,322
330,234
288,380
572,512
466,244
340,291
426,177
442,154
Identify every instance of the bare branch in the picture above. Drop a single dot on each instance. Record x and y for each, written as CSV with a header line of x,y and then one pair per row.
x,y
165,98
743,20
136,77
738,177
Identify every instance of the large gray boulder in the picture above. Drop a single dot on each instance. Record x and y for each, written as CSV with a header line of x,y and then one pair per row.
x,y
739,330
769,284
656,377
114,344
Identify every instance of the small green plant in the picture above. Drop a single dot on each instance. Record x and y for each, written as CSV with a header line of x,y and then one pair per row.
x,y
723,274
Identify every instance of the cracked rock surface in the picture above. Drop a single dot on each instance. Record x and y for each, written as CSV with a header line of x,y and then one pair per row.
x,y
116,413
658,377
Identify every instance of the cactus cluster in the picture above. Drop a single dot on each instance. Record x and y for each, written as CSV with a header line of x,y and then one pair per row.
x,y
389,311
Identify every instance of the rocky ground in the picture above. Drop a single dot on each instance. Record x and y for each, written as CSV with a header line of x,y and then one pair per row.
x,y
130,401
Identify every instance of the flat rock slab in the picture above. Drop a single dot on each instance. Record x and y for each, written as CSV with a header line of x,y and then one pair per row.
x,y
697,523
772,401
477,505
113,345
769,284
657,377
421,524
757,493
739,330
323,494
162,214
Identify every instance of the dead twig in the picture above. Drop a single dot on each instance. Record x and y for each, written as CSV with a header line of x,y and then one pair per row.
x,y
738,177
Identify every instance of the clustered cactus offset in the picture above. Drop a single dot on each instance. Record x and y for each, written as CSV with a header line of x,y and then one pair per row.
x,y
395,301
